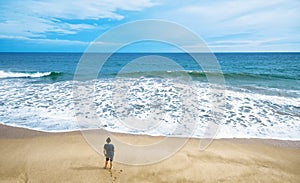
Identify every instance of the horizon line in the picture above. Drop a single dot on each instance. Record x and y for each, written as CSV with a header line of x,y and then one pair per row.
x,y
151,52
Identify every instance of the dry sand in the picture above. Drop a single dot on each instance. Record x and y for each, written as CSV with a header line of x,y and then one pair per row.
x,y
30,156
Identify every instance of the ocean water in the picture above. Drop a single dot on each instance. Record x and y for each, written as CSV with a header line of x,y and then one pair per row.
x,y
262,94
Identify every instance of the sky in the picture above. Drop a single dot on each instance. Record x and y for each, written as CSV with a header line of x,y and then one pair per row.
x,y
224,25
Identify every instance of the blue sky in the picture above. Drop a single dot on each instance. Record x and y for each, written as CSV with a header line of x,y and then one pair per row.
x,y
225,26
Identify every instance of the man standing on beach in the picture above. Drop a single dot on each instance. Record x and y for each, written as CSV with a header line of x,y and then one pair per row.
x,y
108,151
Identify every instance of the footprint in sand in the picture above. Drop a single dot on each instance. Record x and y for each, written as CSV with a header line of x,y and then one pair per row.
x,y
23,177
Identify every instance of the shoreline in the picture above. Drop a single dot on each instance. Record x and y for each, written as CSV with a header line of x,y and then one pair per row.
x,y
20,132
33,156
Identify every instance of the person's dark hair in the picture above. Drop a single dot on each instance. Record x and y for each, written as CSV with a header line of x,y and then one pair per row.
x,y
108,140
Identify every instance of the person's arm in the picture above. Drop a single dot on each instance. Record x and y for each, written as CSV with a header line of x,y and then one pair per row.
x,y
104,151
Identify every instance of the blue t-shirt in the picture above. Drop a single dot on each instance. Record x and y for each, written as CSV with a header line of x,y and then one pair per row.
x,y
109,148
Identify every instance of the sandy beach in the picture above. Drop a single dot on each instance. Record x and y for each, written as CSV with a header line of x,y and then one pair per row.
x,y
31,156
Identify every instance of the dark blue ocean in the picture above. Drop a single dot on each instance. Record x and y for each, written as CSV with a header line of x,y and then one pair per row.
x,y
262,93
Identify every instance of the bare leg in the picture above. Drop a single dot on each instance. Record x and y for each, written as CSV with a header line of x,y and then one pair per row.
x,y
105,164
110,165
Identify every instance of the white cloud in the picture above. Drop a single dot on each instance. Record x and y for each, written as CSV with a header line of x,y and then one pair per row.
x,y
248,22
255,45
224,17
35,18
85,9
243,42
46,41
24,25
235,24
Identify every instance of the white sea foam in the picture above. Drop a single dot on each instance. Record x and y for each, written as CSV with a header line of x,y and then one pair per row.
x,y
51,107
5,74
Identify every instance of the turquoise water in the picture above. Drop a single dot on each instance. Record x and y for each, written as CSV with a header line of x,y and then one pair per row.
x,y
262,98
269,70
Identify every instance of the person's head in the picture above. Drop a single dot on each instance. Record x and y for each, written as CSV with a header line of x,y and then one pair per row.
x,y
108,140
